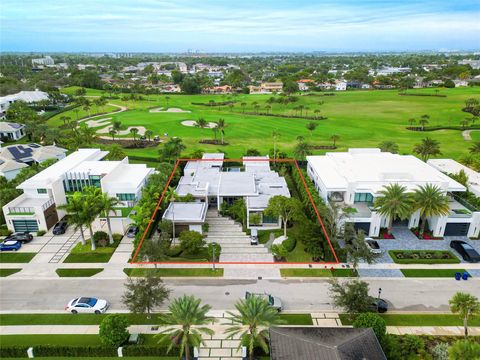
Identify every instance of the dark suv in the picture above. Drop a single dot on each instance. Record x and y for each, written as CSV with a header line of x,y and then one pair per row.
x,y
23,237
60,227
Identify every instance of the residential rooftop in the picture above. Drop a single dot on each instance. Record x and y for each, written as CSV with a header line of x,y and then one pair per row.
x,y
450,166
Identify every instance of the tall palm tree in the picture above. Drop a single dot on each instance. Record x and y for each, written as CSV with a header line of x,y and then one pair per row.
x,y
427,148
76,213
311,126
424,121
170,197
475,148
134,132
335,138
302,149
388,146
112,133
201,123
186,312
108,204
275,136
431,201
255,316
221,125
465,305
317,113
93,207
394,203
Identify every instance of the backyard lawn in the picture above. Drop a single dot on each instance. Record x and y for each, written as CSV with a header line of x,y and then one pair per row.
x,y
16,257
360,118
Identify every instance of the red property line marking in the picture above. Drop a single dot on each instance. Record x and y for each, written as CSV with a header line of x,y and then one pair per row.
x,y
336,262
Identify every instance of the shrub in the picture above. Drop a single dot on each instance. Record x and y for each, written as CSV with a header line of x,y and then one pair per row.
x,y
174,251
100,235
113,330
5,232
13,351
214,248
205,227
73,351
191,242
440,352
464,349
373,321
289,243
117,237
411,345
41,232
279,252
146,350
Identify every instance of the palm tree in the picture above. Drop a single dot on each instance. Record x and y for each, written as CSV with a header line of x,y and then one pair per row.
x,y
275,136
65,119
475,148
93,208
221,127
255,316
431,201
268,108
117,125
412,121
112,133
185,312
170,197
316,112
311,126
388,146
76,213
201,123
87,106
302,149
394,202
149,134
167,98
464,123
428,147
465,305
108,204
334,138
134,132
243,104
423,121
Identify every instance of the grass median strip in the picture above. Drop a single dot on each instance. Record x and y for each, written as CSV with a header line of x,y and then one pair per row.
x,y
317,273
104,358
420,320
16,257
78,272
297,319
431,272
174,272
8,272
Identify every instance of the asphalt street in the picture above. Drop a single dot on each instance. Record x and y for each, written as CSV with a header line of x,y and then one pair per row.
x,y
51,295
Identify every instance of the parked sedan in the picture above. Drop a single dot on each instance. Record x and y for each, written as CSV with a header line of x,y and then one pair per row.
x,y
87,305
466,250
23,237
379,305
10,245
60,227
132,231
373,246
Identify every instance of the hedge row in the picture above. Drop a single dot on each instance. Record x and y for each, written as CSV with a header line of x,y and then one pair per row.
x,y
85,351
59,111
142,158
307,204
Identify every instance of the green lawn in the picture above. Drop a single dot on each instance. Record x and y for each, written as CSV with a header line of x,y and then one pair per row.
x,y
83,253
297,319
78,272
317,273
172,272
264,235
70,319
452,259
420,320
49,339
105,358
16,257
360,118
431,272
72,114
8,272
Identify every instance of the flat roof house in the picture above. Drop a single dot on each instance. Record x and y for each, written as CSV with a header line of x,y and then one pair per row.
x,y
36,209
11,131
451,166
356,177
14,158
26,96
212,183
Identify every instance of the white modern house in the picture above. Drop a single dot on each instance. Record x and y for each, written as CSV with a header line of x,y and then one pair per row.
x,y
450,166
355,178
13,158
36,209
11,131
26,96
212,182
47,60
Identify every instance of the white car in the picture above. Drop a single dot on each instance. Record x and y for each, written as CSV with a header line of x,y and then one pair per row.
x,y
373,246
87,305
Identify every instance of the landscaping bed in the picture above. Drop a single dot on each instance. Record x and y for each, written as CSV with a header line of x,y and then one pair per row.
x,y
317,273
83,253
423,257
173,272
449,273
16,257
8,272
78,272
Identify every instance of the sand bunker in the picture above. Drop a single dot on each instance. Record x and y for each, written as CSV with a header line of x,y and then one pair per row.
x,y
169,110
193,123
99,122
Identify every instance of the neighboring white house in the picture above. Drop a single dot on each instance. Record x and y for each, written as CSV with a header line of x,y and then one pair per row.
x,y
450,166
36,209
11,131
47,60
460,83
211,184
13,158
340,85
355,178
26,96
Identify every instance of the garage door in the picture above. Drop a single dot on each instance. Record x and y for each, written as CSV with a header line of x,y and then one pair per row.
x,y
365,226
25,225
457,229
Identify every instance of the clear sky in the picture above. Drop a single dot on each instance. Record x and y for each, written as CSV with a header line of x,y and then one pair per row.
x,y
238,25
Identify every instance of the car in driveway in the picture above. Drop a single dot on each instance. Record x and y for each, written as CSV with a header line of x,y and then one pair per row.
x,y
87,305
132,231
373,246
10,245
379,305
274,301
23,237
466,250
60,227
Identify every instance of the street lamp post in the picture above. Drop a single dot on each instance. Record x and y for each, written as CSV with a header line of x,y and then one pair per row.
x,y
378,299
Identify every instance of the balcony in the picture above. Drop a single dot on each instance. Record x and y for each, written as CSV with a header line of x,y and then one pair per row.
x,y
24,205
459,207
